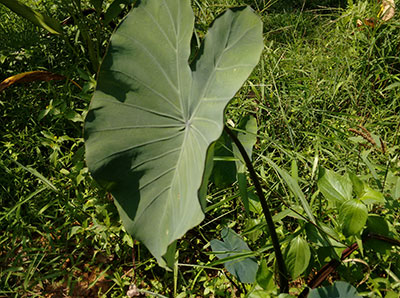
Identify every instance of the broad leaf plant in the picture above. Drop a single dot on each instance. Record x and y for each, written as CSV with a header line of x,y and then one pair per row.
x,y
154,117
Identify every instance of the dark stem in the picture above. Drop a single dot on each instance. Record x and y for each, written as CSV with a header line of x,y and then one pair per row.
x,y
283,276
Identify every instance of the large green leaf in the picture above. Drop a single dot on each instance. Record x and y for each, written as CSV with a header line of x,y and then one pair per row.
x,y
244,269
152,117
39,19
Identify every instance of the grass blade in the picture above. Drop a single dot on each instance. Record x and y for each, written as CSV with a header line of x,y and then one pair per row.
x,y
36,174
294,187
41,20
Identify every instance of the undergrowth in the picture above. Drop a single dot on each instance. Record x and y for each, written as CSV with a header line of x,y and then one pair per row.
x,y
320,75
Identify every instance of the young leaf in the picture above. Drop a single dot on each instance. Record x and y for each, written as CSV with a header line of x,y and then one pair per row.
x,y
35,173
396,189
298,256
315,236
295,170
334,187
265,277
365,193
371,167
371,196
353,215
358,184
393,183
41,20
244,270
339,289
152,117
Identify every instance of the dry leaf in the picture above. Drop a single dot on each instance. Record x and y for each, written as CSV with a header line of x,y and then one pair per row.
x,y
133,291
32,76
388,10
370,22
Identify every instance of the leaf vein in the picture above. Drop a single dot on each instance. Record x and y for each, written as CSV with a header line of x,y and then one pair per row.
x,y
157,63
160,28
233,67
201,135
157,177
137,146
137,127
134,78
154,158
207,120
129,105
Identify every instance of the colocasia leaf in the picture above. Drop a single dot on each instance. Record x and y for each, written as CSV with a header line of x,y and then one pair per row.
x,y
244,268
153,118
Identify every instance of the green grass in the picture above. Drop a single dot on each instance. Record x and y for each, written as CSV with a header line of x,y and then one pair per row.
x,y
319,75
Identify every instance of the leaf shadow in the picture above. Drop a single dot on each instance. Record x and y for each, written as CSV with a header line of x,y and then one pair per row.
x,y
113,83
117,177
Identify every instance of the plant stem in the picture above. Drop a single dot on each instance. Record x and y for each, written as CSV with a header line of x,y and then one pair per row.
x,y
283,276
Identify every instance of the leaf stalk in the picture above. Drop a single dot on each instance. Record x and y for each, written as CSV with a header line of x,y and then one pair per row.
x,y
283,275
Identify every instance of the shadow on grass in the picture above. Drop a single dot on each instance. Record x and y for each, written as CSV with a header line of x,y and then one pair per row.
x,y
294,5
287,21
